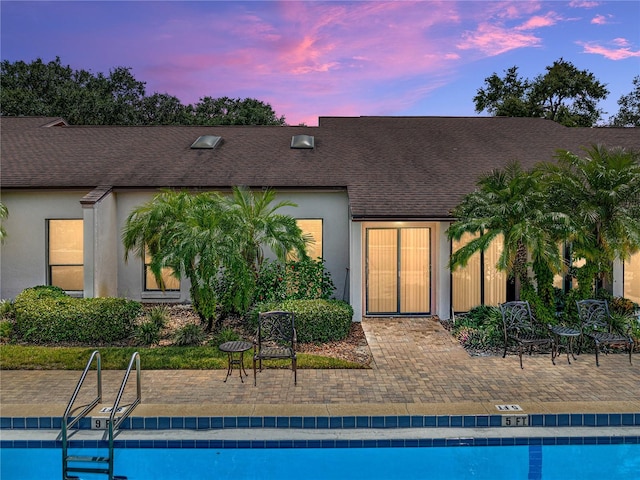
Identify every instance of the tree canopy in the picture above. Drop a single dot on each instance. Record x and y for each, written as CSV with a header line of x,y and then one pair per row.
x,y
563,94
629,113
83,98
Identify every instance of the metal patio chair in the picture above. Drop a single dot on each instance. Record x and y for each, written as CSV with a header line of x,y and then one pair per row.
x,y
596,324
275,340
520,327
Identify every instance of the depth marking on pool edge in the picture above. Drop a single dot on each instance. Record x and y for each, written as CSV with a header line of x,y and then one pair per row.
x,y
509,408
521,420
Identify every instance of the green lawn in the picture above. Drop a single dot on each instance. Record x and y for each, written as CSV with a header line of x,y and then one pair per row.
x,y
17,357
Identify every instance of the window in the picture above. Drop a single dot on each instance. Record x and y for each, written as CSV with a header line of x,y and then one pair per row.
x,y
171,283
65,254
466,280
479,282
632,278
566,282
313,228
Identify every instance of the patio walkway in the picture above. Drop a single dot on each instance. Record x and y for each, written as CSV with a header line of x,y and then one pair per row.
x,y
418,368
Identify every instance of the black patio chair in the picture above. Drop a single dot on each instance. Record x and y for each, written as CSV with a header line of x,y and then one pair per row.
x,y
596,324
520,327
275,340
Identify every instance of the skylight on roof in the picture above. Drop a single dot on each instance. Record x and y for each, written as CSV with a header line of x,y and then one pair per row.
x,y
302,141
206,141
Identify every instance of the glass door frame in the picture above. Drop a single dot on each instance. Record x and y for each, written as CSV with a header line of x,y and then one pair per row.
x,y
398,227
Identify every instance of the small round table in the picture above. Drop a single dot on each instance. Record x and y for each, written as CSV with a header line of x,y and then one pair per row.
x,y
561,331
238,347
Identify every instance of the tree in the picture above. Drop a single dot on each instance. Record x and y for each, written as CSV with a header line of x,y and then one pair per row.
x,y
563,94
234,111
214,241
84,98
256,225
629,113
164,109
509,203
504,97
80,97
181,231
600,192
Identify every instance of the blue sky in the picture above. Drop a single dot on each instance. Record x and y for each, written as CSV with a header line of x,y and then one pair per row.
x,y
310,58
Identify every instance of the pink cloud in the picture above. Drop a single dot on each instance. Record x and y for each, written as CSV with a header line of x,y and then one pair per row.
x,y
583,4
547,20
601,19
493,40
621,42
609,53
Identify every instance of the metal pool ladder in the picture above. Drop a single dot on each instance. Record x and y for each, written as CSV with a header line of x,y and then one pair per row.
x,y
97,464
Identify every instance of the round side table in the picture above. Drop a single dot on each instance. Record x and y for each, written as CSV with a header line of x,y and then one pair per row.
x,y
238,348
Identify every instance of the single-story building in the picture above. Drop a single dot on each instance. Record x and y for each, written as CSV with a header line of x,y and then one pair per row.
x,y
375,192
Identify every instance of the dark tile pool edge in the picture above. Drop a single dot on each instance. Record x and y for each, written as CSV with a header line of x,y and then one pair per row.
x,y
337,422
332,443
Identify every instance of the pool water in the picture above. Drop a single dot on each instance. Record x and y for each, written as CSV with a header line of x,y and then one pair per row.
x,y
532,462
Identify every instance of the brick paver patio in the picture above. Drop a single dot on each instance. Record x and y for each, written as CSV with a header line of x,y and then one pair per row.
x,y
417,368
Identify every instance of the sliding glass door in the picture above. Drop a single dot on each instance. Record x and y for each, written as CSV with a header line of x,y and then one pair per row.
x,y
398,271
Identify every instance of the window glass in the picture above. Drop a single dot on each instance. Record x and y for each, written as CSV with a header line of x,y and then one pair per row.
x,y
65,254
312,227
150,283
466,280
479,282
632,278
495,281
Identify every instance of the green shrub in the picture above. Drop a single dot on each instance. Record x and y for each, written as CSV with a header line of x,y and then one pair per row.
x,y
48,315
6,309
295,280
6,329
317,321
225,335
147,333
159,315
480,328
190,334
622,306
471,338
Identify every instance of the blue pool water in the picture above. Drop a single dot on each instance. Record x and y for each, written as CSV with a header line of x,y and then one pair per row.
x,y
530,462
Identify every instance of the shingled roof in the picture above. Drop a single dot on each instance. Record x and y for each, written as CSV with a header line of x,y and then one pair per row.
x,y
392,167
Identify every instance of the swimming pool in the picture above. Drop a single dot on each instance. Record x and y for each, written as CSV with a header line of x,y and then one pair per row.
x,y
426,459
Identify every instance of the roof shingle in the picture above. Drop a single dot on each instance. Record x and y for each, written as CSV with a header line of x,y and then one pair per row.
x,y
393,167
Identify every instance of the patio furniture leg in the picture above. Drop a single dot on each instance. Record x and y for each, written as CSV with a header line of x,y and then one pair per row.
x,y
254,373
295,371
520,354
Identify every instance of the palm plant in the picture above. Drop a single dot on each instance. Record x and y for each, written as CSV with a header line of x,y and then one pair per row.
x,y
214,241
601,194
4,213
183,232
256,225
510,203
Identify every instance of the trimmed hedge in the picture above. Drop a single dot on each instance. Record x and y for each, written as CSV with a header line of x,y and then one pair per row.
x,y
317,321
48,315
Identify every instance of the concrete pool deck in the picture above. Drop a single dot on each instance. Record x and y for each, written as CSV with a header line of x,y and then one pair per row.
x,y
417,369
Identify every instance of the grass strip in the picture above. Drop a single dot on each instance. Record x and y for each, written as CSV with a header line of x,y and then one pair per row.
x,y
18,357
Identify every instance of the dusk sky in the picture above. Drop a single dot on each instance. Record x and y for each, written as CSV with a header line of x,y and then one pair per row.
x,y
332,58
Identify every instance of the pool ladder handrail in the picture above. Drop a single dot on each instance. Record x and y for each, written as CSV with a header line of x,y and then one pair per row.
x,y
112,425
97,400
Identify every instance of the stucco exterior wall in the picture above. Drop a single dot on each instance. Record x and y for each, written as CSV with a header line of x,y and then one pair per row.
x,y
23,256
330,206
101,248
